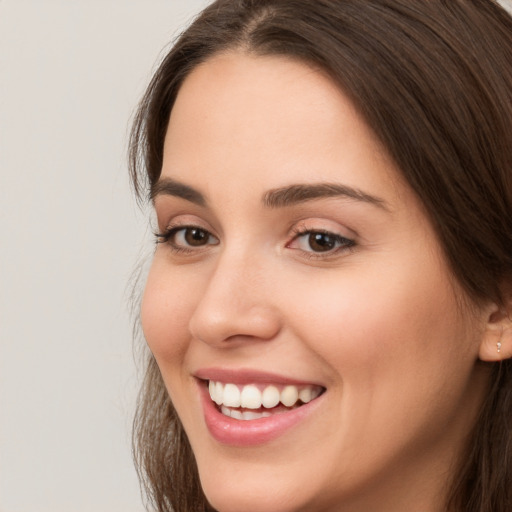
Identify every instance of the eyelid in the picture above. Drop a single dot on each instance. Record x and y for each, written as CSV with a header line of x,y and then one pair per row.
x,y
172,230
311,226
322,226
181,223
168,218
339,238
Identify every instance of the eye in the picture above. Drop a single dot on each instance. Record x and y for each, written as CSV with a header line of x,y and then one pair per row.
x,y
320,242
193,237
187,237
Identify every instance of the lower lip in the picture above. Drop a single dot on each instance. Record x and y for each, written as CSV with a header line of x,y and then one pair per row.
x,y
235,432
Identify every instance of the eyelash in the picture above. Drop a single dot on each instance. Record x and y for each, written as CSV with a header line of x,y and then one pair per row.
x,y
345,244
298,232
167,238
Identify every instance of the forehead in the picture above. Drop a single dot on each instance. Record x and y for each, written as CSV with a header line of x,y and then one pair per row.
x,y
270,116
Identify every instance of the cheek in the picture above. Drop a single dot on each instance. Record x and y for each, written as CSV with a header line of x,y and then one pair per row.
x,y
371,323
397,354
165,313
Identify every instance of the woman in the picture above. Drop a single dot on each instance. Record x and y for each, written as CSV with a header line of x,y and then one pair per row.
x,y
329,303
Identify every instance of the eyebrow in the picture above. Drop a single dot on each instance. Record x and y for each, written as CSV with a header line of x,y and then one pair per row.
x,y
276,198
170,187
294,194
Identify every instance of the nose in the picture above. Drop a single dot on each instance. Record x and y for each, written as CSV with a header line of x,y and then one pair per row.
x,y
237,304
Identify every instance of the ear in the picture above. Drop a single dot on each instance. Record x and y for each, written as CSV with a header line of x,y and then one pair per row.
x,y
496,342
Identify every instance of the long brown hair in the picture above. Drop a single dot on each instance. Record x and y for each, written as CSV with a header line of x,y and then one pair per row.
x,y
433,79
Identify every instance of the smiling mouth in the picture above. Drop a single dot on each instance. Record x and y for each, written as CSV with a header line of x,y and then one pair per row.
x,y
255,401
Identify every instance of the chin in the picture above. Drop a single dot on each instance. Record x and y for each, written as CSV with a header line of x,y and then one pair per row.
x,y
253,492
251,500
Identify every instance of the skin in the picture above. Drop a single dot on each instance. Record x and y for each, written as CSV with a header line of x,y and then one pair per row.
x,y
380,322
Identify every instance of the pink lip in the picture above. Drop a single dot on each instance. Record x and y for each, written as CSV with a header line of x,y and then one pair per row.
x,y
247,376
234,432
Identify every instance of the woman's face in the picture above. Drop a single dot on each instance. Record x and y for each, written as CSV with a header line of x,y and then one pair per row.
x,y
294,262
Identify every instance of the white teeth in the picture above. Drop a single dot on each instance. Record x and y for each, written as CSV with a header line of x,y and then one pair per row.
x,y
250,396
270,397
219,393
306,395
289,395
246,415
250,415
238,415
231,396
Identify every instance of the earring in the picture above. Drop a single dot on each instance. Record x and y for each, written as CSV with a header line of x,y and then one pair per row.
x,y
498,346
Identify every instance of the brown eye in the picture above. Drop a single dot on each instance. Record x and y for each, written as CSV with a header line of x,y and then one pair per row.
x,y
186,238
195,237
321,242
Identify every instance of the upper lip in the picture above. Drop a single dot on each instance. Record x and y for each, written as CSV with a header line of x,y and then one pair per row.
x,y
244,376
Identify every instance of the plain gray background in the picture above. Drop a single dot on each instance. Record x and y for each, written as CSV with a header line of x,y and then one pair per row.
x,y
71,72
